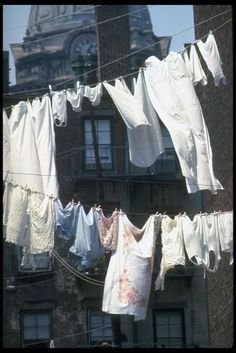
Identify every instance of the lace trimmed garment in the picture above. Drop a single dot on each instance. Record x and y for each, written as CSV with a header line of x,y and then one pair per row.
x,y
172,248
108,229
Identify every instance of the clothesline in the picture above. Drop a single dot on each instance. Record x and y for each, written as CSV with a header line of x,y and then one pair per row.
x,y
89,206
125,56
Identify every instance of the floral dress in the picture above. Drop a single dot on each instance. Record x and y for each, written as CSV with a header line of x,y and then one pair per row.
x,y
129,274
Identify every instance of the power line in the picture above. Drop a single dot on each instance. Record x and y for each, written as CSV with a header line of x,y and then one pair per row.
x,y
125,56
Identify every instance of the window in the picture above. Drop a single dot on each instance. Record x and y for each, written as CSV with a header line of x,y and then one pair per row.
x,y
36,327
169,328
166,162
103,133
33,262
99,326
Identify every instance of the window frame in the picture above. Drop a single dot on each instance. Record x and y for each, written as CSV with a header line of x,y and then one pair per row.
x,y
169,338
22,269
89,326
36,342
110,145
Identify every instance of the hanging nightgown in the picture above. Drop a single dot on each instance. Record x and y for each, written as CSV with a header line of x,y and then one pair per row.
x,y
128,279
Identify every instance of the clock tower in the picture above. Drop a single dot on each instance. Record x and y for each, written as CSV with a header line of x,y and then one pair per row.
x,y
57,35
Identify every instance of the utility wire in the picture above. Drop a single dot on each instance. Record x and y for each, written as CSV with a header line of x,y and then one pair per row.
x,y
123,57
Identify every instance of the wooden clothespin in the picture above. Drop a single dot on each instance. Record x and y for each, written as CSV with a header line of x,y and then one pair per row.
x,y
50,89
78,204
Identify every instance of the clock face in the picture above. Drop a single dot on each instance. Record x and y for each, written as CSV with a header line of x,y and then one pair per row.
x,y
84,44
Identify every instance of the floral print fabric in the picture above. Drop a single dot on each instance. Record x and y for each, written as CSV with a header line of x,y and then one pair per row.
x,y
128,280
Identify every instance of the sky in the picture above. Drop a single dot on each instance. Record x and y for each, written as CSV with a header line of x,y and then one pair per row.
x,y
167,20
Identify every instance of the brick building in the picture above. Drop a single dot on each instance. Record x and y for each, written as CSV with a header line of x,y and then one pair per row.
x,y
55,300
217,105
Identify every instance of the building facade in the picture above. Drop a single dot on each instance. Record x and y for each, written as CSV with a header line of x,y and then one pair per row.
x,y
55,302
217,105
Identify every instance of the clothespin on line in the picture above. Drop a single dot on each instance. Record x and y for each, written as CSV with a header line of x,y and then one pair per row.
x,y
50,89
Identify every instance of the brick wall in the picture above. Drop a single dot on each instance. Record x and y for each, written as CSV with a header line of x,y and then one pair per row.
x,y
113,40
218,112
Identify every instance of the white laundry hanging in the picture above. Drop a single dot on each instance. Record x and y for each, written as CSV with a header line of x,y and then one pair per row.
x,y
75,97
145,141
194,66
59,108
94,94
172,94
172,248
28,213
129,274
225,229
210,53
126,104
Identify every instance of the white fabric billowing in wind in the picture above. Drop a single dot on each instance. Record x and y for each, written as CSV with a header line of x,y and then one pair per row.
x,y
194,66
129,274
172,248
75,97
210,53
172,94
94,94
126,104
59,108
145,141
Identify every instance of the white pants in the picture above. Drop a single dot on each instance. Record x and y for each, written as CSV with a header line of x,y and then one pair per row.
x,y
173,96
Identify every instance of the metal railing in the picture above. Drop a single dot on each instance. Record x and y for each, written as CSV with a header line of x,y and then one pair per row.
x,y
114,161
